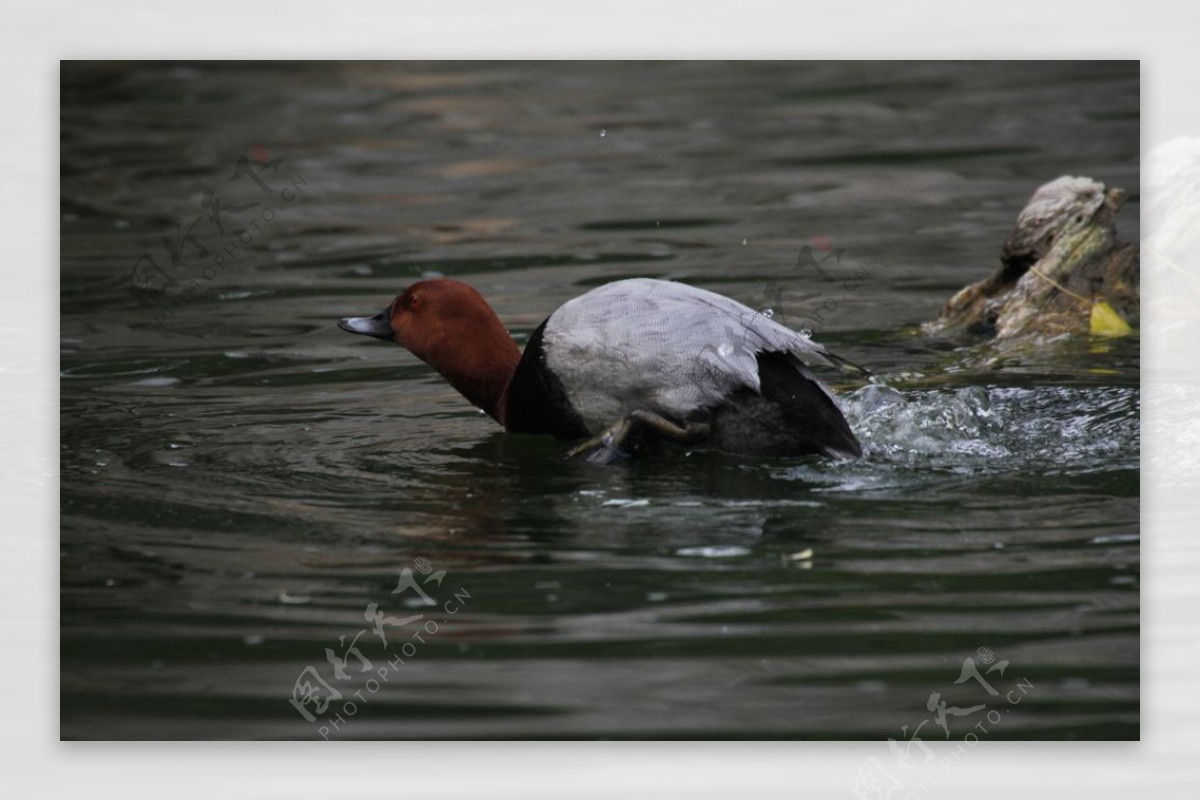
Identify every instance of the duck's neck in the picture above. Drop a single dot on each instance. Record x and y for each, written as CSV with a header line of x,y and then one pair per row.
x,y
488,388
482,373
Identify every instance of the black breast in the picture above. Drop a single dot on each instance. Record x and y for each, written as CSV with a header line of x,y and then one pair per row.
x,y
537,402
792,416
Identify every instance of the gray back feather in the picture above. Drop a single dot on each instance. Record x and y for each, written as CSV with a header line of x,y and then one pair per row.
x,y
661,345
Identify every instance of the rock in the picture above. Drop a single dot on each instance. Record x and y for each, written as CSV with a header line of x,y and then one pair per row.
x,y
1062,257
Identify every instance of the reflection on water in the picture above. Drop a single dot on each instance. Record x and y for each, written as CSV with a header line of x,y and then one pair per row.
x,y
242,483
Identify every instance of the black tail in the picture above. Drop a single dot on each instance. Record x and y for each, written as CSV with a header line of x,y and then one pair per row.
x,y
793,414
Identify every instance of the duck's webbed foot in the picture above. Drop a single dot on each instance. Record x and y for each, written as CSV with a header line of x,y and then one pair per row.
x,y
620,439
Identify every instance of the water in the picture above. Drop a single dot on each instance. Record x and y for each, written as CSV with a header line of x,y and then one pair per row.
x,y
241,480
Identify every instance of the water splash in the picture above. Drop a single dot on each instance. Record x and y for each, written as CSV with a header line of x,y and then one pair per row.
x,y
989,429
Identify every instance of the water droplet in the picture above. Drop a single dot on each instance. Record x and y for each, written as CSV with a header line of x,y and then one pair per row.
x,y
1105,539
743,243
603,133
713,551
163,381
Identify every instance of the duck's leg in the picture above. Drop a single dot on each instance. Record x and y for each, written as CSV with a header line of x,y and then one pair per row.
x,y
692,431
607,446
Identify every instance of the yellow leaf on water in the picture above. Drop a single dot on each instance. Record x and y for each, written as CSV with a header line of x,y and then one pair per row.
x,y
1107,323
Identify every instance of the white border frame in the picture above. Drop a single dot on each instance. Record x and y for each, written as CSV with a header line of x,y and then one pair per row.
x,y
36,36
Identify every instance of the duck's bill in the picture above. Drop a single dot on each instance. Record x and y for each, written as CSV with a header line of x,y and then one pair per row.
x,y
378,326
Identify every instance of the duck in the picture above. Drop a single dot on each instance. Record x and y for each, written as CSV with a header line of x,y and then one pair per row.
x,y
631,362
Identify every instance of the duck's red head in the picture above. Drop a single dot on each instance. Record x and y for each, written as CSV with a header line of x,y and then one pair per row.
x,y
449,326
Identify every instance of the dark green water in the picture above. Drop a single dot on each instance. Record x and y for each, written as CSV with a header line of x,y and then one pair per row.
x,y
241,480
